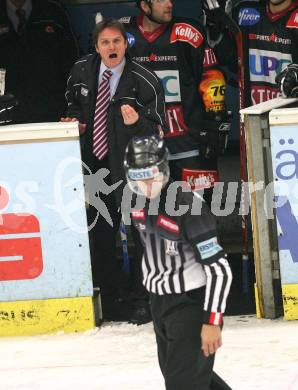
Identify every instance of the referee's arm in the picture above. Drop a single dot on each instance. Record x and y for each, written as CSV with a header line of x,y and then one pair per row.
x,y
200,231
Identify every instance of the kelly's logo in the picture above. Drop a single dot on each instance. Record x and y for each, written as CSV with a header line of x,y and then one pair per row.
x,y
293,20
186,33
200,179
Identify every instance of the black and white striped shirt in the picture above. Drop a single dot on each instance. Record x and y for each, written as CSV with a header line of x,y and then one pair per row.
x,y
182,253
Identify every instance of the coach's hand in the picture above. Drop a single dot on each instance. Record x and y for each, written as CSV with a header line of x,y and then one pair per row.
x,y
129,114
211,339
82,126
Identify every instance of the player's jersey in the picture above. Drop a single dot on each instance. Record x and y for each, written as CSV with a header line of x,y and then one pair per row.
x,y
271,41
213,84
175,51
181,252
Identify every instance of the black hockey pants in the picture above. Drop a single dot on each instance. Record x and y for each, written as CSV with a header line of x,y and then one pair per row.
x,y
177,320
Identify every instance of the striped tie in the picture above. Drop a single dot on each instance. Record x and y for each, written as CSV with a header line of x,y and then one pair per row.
x,y
21,14
100,135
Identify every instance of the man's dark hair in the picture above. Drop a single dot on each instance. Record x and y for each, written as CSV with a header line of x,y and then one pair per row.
x,y
108,23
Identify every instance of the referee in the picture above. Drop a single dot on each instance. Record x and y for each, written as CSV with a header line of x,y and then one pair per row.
x,y
184,269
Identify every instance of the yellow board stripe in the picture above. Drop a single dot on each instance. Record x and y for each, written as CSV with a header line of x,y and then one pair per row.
x,y
28,318
257,299
290,301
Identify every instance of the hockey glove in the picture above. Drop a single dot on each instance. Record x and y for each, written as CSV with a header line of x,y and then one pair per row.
x,y
214,19
214,137
287,81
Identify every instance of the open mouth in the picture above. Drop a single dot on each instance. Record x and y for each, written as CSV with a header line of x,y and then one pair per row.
x,y
113,55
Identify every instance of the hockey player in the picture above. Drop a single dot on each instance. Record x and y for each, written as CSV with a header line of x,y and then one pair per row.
x,y
217,119
184,268
174,48
288,81
270,42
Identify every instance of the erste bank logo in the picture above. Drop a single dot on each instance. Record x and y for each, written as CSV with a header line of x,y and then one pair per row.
x,y
209,248
144,173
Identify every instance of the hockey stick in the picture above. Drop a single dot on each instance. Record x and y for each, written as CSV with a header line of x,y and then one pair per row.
x,y
123,235
234,29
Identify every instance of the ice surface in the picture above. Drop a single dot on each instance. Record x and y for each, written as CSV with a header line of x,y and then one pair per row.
x,y
257,354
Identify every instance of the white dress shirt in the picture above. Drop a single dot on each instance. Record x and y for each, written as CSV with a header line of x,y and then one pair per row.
x,y
114,79
11,12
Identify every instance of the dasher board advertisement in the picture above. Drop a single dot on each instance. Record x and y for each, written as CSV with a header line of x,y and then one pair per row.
x,y
44,246
284,151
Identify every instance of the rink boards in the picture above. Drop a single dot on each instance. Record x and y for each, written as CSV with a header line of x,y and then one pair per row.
x,y
284,152
45,271
28,318
290,301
